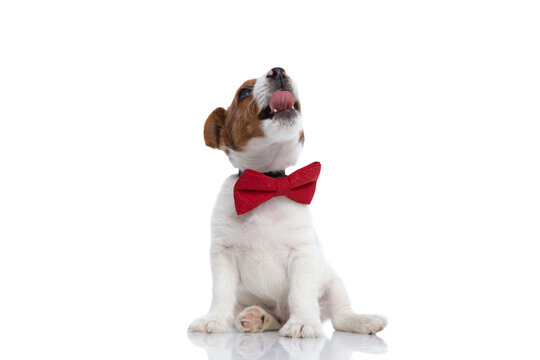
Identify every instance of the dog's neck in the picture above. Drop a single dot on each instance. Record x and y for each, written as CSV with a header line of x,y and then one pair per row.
x,y
265,156
272,174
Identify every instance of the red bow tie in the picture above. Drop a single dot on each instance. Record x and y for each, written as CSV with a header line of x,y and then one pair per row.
x,y
254,188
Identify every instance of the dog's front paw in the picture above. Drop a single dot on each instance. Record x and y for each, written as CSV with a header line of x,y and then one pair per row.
x,y
302,329
210,324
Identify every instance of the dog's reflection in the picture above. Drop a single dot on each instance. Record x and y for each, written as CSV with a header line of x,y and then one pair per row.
x,y
269,346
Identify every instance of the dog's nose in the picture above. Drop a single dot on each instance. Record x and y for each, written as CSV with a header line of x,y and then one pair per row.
x,y
276,73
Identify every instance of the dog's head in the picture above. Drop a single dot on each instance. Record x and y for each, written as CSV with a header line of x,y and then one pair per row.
x,y
262,128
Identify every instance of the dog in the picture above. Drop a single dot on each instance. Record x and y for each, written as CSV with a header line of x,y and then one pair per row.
x,y
267,266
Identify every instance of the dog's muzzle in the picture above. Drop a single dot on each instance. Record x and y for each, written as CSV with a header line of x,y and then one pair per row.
x,y
282,102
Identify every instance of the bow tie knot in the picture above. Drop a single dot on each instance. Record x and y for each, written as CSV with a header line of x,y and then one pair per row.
x,y
283,187
253,188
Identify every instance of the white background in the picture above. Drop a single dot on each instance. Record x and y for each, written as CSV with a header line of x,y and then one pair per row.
x,y
424,114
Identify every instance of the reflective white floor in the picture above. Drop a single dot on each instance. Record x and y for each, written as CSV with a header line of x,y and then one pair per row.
x,y
266,346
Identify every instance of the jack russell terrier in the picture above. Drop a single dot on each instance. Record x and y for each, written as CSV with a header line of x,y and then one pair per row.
x,y
267,266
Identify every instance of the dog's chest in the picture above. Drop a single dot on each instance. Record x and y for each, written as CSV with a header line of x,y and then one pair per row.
x,y
272,226
261,241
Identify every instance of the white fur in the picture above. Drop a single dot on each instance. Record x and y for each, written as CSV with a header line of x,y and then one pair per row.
x,y
263,154
271,257
280,131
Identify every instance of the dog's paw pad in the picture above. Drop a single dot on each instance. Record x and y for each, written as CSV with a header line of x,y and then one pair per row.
x,y
252,319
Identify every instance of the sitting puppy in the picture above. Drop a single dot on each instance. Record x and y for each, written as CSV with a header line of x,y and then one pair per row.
x,y
267,266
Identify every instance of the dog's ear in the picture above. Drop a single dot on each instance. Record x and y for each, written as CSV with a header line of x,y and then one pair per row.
x,y
213,128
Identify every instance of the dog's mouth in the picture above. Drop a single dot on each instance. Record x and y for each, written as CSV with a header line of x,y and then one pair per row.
x,y
280,103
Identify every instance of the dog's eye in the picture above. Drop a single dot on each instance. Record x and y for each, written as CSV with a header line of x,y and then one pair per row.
x,y
244,93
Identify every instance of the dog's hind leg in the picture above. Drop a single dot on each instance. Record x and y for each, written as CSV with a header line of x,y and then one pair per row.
x,y
337,306
256,319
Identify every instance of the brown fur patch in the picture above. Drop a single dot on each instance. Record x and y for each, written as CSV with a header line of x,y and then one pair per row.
x,y
213,128
234,127
242,121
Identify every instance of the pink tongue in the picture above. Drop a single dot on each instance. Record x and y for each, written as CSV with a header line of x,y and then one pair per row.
x,y
281,100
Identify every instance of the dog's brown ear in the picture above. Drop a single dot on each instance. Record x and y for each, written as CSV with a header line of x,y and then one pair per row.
x,y
213,128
